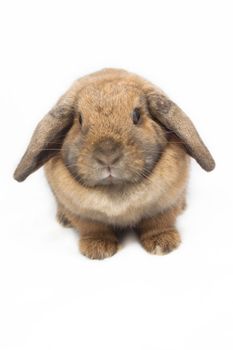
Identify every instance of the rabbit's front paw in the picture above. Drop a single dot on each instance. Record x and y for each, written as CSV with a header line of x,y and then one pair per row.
x,y
98,248
161,243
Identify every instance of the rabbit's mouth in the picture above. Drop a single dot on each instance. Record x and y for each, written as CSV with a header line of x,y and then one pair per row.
x,y
109,180
107,175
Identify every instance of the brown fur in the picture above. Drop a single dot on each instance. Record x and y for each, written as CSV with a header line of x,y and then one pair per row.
x,y
90,133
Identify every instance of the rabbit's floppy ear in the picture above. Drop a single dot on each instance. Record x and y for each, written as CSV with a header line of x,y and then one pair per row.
x,y
174,119
47,137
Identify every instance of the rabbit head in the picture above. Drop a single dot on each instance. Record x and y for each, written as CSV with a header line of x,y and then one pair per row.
x,y
111,128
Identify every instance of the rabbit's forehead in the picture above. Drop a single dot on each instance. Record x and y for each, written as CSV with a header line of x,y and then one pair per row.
x,y
109,98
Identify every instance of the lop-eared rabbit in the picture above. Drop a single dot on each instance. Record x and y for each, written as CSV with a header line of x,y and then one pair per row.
x,y
116,152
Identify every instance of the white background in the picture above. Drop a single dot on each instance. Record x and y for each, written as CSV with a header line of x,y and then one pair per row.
x,y
51,296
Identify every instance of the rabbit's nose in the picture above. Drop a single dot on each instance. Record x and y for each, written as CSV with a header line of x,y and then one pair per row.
x,y
107,152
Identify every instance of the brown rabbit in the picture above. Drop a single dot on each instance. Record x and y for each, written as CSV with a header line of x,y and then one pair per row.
x,y
117,156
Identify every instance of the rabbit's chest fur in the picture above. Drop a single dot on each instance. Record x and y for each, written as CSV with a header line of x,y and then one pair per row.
x,y
123,207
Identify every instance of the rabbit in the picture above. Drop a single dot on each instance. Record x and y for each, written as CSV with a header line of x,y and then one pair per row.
x,y
116,152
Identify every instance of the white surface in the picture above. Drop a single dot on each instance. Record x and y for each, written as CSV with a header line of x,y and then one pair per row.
x,y
51,296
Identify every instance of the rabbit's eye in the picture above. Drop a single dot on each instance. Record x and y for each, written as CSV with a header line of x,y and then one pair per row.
x,y
80,118
136,115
